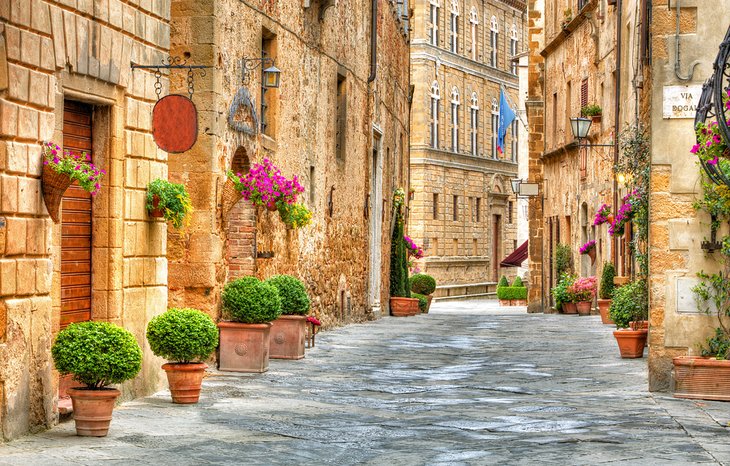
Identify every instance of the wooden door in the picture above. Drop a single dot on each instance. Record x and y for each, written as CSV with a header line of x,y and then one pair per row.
x,y
76,222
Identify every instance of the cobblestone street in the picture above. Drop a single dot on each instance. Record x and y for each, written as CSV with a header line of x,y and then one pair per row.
x,y
469,383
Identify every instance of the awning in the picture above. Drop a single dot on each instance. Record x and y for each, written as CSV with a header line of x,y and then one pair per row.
x,y
517,257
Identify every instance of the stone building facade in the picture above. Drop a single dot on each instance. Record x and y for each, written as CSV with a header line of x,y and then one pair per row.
x,y
339,121
463,211
65,76
573,64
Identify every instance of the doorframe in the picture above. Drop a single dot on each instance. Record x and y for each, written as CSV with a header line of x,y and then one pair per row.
x,y
375,208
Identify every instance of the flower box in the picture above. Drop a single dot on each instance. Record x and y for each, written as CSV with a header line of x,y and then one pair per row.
x,y
286,337
244,347
701,378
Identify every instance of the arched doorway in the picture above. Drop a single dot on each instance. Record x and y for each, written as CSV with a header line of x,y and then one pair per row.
x,y
241,228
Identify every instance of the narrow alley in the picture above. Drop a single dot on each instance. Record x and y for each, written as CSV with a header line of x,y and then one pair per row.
x,y
469,383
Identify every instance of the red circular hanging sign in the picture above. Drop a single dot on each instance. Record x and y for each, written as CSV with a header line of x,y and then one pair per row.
x,y
175,123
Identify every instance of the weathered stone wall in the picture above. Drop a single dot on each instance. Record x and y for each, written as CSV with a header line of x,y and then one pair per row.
x,y
459,246
330,255
676,229
51,51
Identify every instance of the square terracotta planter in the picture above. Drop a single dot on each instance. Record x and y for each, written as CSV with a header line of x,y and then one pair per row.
x,y
701,378
286,338
244,347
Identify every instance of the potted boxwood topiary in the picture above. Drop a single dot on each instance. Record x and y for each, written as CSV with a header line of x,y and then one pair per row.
x,y
288,332
185,336
423,284
97,354
519,295
605,290
169,200
502,295
422,302
251,305
629,306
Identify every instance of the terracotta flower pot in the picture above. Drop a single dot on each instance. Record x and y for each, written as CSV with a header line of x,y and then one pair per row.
x,y
93,410
402,307
271,207
592,255
155,211
415,308
570,308
631,342
505,302
54,185
286,338
244,347
701,378
603,306
583,308
185,380
230,197
428,306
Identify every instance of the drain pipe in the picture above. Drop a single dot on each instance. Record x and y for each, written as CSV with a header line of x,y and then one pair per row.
x,y
677,59
373,42
616,123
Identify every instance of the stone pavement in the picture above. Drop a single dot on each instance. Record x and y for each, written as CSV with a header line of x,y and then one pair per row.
x,y
470,383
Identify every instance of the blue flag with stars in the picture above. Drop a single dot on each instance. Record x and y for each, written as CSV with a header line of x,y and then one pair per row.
x,y
506,117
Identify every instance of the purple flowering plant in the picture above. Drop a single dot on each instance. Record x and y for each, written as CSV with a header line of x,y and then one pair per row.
x,y
264,185
413,249
711,146
77,167
602,215
588,247
625,213
583,289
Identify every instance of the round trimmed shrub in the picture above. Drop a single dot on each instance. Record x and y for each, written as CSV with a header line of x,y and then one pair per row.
x,y
182,335
250,301
422,283
293,294
97,353
422,301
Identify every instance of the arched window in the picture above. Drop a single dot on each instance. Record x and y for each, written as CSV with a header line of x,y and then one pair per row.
x,y
474,123
455,26
433,31
494,40
435,97
455,102
513,47
474,20
495,126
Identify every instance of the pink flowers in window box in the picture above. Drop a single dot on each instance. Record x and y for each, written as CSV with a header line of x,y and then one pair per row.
x,y
77,167
264,185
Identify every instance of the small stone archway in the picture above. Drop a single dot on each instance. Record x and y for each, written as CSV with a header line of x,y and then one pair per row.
x,y
241,228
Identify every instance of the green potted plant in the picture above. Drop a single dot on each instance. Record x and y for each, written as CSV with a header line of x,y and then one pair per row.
x,y
97,354
295,215
605,290
628,310
707,377
61,168
501,291
422,302
170,201
519,296
250,305
423,284
288,331
592,111
186,337
401,303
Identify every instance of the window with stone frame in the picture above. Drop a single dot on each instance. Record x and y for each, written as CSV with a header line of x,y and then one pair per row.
x,y
513,47
456,208
454,41
583,93
455,103
435,206
433,23
269,97
479,209
474,124
474,22
495,126
494,41
435,97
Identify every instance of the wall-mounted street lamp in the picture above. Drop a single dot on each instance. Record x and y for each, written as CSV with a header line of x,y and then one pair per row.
x,y
580,127
271,74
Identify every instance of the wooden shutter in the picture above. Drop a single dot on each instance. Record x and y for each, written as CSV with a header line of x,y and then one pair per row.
x,y
583,93
76,222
